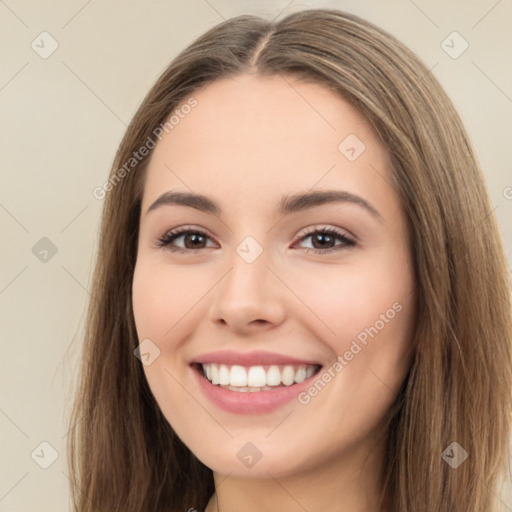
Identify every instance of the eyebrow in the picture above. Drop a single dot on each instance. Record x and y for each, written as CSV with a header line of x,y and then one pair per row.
x,y
288,204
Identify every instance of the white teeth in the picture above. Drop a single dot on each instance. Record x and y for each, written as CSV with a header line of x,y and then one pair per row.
x,y
300,374
256,378
223,375
288,375
273,376
214,369
238,376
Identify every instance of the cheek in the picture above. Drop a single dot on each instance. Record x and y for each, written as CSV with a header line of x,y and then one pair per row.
x,y
163,299
164,296
347,299
365,314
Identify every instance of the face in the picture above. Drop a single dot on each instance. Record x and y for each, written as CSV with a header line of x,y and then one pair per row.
x,y
301,311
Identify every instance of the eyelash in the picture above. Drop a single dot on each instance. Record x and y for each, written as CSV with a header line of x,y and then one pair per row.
x,y
171,236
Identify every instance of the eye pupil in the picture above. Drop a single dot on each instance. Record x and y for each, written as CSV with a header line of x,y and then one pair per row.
x,y
321,237
195,237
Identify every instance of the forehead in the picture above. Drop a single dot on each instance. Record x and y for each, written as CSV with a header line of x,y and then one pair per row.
x,y
251,135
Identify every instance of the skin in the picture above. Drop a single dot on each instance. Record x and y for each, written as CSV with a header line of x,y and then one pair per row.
x,y
248,142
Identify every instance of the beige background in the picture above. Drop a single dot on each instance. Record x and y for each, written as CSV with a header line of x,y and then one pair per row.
x,y
62,118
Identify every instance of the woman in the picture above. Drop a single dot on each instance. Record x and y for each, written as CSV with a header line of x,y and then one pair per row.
x,y
229,366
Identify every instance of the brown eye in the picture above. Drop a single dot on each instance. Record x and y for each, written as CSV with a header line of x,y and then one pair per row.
x,y
324,240
193,239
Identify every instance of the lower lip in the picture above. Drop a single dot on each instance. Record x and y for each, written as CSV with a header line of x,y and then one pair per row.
x,y
248,402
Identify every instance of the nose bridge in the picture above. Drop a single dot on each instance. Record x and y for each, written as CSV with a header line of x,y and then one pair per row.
x,y
249,291
248,278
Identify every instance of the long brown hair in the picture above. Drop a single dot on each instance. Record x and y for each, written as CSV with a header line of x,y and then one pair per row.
x,y
123,454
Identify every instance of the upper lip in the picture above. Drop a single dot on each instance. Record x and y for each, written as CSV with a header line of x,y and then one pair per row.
x,y
255,358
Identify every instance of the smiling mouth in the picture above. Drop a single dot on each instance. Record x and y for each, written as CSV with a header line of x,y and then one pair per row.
x,y
255,378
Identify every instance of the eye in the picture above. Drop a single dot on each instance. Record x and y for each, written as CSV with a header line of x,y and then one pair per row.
x,y
194,240
324,238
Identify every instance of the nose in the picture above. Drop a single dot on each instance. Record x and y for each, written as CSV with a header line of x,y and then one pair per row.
x,y
249,298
